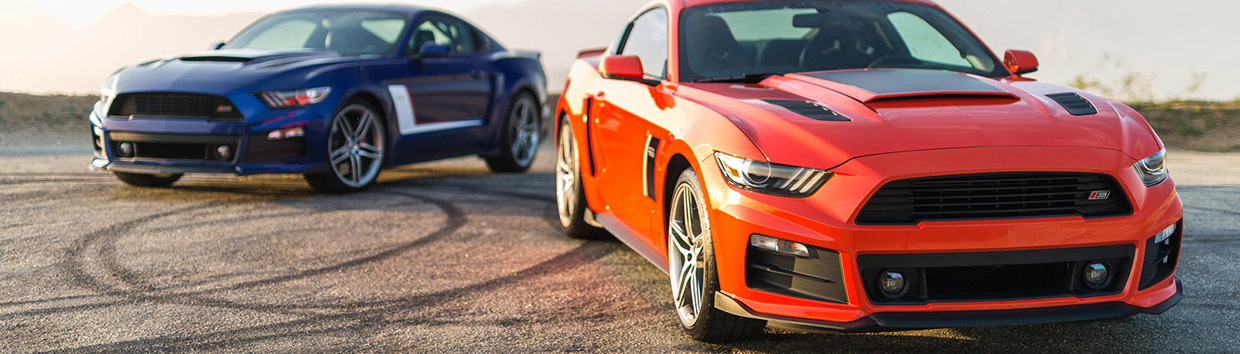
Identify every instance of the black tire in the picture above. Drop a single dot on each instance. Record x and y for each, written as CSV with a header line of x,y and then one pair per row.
x,y
709,324
148,181
342,176
521,135
570,196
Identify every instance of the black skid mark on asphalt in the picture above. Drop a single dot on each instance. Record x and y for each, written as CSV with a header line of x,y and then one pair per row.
x,y
1213,210
552,217
143,292
376,314
373,317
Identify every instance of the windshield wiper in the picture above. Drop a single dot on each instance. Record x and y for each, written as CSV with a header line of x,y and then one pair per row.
x,y
744,78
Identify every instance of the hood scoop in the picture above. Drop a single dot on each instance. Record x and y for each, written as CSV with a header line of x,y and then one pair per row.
x,y
218,58
810,110
1074,103
882,84
254,55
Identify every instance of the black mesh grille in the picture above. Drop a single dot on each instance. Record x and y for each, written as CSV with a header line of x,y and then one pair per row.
x,y
173,105
995,196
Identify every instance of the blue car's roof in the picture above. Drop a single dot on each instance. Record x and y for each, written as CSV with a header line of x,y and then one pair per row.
x,y
404,9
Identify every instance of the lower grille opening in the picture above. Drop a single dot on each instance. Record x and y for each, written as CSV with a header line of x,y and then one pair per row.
x,y
172,147
995,276
998,282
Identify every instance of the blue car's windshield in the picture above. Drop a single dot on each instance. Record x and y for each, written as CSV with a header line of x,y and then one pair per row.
x,y
742,41
348,33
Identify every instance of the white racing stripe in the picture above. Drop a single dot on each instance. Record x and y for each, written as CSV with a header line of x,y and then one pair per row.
x,y
407,120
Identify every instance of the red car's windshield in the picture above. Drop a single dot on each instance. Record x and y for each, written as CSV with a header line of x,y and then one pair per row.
x,y
750,40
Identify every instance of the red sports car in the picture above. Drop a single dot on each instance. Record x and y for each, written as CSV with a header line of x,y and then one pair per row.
x,y
850,164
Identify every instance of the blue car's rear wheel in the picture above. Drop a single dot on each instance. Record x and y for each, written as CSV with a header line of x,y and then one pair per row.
x,y
521,136
355,150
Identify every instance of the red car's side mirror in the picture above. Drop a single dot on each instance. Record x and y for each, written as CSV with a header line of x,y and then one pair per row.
x,y
1020,62
624,67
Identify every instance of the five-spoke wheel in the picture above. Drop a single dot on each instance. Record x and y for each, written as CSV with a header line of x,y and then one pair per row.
x,y
520,140
355,150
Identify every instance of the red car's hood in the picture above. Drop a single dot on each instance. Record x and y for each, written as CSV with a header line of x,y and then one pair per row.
x,y
885,111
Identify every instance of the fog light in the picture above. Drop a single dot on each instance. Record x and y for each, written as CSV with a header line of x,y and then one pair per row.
x,y
1165,234
224,152
1097,275
772,244
892,284
126,149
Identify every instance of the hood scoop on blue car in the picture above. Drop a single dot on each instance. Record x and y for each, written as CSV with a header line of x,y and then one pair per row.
x,y
251,56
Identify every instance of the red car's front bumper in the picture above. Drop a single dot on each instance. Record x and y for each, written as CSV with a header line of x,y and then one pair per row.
x,y
826,221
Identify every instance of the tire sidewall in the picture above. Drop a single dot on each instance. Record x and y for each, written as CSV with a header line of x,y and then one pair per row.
x,y
509,136
574,211
710,285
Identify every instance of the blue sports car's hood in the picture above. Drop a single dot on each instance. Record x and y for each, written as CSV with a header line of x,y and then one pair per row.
x,y
218,72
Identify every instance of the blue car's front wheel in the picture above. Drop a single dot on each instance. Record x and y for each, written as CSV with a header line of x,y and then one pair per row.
x,y
355,150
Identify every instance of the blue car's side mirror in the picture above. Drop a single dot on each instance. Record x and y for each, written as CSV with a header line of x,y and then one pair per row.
x,y
433,50
217,46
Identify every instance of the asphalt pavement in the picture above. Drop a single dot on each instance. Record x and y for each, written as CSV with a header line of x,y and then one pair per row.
x,y
441,257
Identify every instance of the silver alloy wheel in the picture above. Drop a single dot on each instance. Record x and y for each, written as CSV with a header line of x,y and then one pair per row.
x,y
566,175
525,132
355,146
685,253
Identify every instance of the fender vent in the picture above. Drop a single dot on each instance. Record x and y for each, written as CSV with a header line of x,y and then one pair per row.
x,y
1074,103
810,110
652,151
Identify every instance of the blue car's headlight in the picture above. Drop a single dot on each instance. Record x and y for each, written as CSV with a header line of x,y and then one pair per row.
x,y
768,178
295,98
1153,169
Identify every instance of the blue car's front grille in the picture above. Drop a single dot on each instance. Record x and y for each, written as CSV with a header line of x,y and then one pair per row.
x,y
174,105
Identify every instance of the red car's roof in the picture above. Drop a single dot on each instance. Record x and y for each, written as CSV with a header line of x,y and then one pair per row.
x,y
692,3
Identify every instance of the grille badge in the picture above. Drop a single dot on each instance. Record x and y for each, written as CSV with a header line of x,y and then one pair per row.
x,y
1100,195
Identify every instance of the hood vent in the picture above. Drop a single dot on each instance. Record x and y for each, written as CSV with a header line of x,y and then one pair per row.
x,y
1074,103
810,110
227,59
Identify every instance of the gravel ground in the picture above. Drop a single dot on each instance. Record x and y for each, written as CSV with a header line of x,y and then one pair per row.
x,y
441,257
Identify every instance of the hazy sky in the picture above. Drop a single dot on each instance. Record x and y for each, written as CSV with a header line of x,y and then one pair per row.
x,y
1164,45
83,12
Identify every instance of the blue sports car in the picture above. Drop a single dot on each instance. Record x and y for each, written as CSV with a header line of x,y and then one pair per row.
x,y
335,93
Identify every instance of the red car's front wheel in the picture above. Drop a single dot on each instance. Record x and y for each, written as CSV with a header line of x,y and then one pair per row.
x,y
695,279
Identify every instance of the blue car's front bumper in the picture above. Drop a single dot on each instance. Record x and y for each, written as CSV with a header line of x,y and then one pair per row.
x,y
182,145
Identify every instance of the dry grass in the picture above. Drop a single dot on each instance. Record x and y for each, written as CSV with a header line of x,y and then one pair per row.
x,y
1186,125
54,114
1195,125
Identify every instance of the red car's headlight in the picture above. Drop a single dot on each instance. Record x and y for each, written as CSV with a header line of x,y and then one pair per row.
x,y
768,178
1153,169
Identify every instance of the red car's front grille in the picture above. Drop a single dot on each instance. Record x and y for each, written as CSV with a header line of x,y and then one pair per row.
x,y
995,196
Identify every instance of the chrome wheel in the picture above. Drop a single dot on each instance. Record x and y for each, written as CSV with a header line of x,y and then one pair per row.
x,y
355,146
525,131
566,175
686,253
